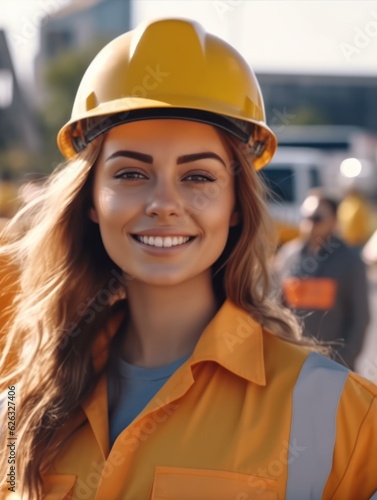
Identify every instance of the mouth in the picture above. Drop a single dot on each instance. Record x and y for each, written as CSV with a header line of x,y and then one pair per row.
x,y
163,241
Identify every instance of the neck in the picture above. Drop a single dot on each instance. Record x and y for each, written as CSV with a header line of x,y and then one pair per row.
x,y
165,322
315,244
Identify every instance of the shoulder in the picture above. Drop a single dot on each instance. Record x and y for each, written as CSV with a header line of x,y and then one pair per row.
x,y
361,387
291,248
356,267
346,251
311,368
281,354
287,254
302,369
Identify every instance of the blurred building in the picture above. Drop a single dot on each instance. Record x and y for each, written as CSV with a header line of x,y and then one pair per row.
x,y
296,99
335,115
17,126
77,25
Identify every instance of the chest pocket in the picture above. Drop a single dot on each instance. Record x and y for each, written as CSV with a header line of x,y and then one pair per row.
x,y
172,483
58,486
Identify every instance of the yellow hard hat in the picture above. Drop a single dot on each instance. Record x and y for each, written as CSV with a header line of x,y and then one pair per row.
x,y
169,68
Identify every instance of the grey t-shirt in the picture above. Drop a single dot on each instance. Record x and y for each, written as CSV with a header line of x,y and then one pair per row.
x,y
134,388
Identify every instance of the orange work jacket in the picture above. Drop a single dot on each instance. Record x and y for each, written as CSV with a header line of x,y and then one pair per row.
x,y
235,421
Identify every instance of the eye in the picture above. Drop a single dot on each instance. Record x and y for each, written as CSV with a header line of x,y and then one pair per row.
x,y
130,175
199,177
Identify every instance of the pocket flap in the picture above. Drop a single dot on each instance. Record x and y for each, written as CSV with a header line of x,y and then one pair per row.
x,y
172,483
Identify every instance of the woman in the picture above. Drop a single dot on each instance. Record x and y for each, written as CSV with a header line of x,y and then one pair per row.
x,y
156,364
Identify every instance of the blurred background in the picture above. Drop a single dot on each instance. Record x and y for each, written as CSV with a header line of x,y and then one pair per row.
x,y
316,62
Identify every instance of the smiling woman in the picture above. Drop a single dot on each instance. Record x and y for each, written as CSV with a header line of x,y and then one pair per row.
x,y
184,379
145,202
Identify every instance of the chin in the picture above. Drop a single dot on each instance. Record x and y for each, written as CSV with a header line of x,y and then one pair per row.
x,y
162,280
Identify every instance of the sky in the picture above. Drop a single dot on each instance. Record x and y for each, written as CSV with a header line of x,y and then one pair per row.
x,y
290,36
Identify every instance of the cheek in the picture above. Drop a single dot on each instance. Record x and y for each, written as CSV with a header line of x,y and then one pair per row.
x,y
215,201
106,203
112,206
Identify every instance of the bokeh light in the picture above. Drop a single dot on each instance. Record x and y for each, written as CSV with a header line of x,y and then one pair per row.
x,y
351,167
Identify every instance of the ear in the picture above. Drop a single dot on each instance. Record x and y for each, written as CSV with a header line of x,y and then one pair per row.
x,y
234,219
93,215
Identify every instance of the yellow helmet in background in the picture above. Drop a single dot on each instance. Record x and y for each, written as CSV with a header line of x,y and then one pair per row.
x,y
169,68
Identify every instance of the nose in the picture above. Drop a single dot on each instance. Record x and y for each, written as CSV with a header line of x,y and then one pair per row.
x,y
164,201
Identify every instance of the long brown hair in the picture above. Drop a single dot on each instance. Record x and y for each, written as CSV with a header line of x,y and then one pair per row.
x,y
245,267
63,266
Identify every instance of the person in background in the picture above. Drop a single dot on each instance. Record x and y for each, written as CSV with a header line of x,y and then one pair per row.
x,y
324,281
156,363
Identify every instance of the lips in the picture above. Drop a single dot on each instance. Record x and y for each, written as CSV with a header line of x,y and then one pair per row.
x,y
162,241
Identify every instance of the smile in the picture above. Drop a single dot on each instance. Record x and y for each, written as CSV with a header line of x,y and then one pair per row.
x,y
163,241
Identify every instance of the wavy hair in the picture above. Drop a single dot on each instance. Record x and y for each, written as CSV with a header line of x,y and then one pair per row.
x,y
63,265
242,273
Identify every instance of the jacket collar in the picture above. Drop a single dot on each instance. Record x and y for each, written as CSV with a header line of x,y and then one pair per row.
x,y
232,339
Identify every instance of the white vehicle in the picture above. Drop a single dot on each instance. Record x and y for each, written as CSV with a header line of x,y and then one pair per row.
x,y
350,154
290,175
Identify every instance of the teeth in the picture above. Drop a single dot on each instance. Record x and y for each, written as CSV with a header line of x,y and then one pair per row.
x,y
160,241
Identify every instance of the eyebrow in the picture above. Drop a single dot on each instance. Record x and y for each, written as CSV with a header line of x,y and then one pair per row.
x,y
131,154
199,156
149,159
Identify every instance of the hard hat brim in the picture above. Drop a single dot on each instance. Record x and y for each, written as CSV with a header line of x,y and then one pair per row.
x,y
72,139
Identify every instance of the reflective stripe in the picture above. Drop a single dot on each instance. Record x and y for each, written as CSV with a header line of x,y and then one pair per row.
x,y
315,403
374,497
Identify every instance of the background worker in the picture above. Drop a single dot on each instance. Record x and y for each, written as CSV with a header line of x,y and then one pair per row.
x,y
324,281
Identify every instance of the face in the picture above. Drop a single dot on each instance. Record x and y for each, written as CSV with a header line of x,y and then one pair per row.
x,y
164,199
318,219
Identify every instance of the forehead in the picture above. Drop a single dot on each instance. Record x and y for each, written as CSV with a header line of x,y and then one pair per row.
x,y
161,133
